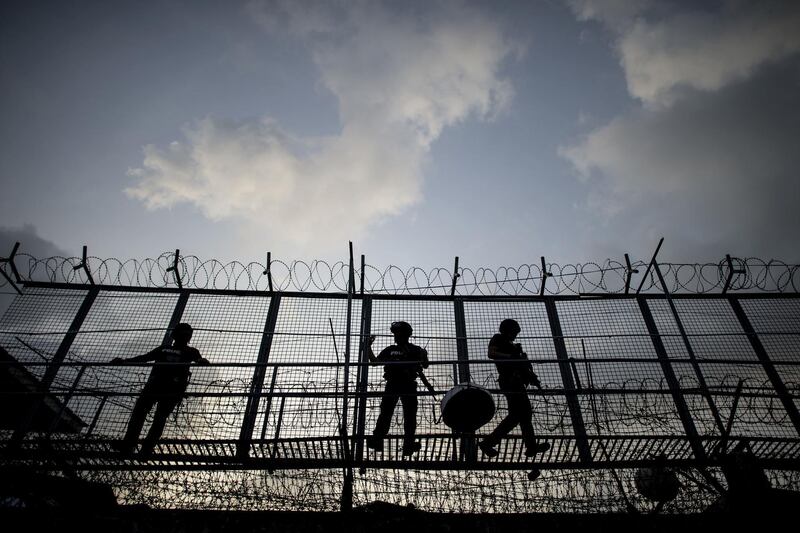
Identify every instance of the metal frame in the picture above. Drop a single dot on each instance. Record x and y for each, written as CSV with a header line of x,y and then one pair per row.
x,y
693,445
257,384
777,383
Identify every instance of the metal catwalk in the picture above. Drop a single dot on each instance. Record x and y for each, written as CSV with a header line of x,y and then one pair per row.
x,y
629,380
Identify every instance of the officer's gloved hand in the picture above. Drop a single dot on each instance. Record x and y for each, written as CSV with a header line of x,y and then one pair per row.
x,y
117,361
203,361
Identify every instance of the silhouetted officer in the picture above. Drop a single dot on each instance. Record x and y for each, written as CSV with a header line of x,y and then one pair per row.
x,y
166,386
401,383
515,374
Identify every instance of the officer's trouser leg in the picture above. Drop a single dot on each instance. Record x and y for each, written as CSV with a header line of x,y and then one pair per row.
x,y
388,403
165,407
517,400
409,399
519,406
143,405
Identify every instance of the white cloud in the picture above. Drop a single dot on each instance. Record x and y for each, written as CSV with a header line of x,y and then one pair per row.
x,y
699,48
616,14
399,77
709,159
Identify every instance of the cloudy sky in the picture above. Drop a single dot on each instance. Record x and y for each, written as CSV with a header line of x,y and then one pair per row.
x,y
496,131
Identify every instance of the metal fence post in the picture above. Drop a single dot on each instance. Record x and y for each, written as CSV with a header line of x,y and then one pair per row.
x,y
582,440
56,362
769,368
363,377
674,386
251,410
693,359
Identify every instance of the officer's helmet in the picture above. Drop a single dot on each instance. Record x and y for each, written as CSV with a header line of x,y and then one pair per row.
x,y
401,328
509,326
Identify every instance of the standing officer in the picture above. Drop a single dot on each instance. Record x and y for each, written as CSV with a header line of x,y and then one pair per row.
x,y
404,362
166,386
515,374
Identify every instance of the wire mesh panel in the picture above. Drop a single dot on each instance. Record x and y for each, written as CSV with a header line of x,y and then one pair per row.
x,y
307,401
239,490
724,357
119,324
447,491
777,324
556,491
615,363
228,329
434,329
34,325
550,411
626,408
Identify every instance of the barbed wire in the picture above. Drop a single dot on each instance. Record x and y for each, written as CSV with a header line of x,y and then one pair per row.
x,y
556,491
636,405
609,276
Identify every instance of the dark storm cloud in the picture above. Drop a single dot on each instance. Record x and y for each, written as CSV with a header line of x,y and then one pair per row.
x,y
708,157
716,171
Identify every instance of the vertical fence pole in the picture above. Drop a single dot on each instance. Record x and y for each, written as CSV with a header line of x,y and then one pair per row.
x,y
766,362
54,424
461,341
545,275
731,272
56,362
581,439
257,384
363,376
268,271
629,272
649,265
692,358
269,402
177,314
469,450
456,275
69,338
347,482
363,273
672,381
96,416
84,264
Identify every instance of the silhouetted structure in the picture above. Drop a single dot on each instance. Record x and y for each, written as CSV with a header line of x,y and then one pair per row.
x,y
641,383
22,394
165,387
404,362
515,374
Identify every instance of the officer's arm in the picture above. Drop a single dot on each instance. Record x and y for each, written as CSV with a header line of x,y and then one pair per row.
x,y
149,356
384,355
199,359
534,378
495,353
423,357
